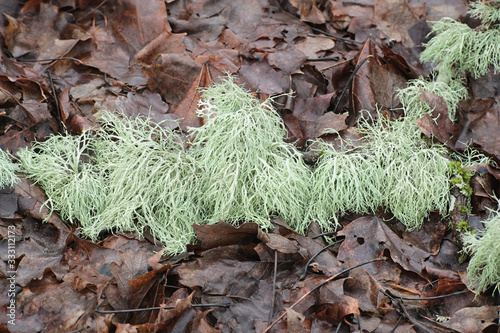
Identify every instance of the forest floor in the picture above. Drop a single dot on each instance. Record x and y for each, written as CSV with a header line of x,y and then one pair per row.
x,y
64,61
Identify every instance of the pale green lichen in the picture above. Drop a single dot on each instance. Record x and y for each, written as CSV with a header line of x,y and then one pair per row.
x,y
61,165
246,171
483,270
128,176
8,170
394,168
452,92
457,47
488,13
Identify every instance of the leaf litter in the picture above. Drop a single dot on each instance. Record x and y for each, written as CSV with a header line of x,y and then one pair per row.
x,y
119,55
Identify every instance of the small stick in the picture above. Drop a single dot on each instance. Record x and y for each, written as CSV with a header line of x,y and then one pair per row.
x,y
349,82
54,93
347,40
331,278
52,59
169,307
303,275
274,285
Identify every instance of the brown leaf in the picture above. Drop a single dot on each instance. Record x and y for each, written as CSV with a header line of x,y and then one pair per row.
x,y
147,291
110,57
136,22
186,110
14,140
294,131
147,104
361,95
398,62
481,127
334,312
363,287
439,124
313,117
8,204
38,37
314,47
473,319
262,77
278,242
295,322
289,60
309,12
51,306
369,237
385,80
31,202
165,42
173,76
395,18
77,124
222,234
330,123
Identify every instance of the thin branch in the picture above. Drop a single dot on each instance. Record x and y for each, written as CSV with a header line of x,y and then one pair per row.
x,y
347,40
274,285
304,273
350,80
169,307
51,59
427,298
331,278
54,93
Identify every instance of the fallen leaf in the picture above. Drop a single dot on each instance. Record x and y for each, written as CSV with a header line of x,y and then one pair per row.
x,y
186,110
473,319
439,124
222,234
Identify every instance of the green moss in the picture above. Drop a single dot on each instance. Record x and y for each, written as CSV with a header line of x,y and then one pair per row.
x,y
463,209
63,168
464,226
461,178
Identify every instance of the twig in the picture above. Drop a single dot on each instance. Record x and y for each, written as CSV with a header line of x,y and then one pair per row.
x,y
431,297
402,307
324,234
411,10
345,3
51,59
58,109
336,58
347,40
349,82
93,10
274,285
335,65
304,273
331,278
397,324
167,307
